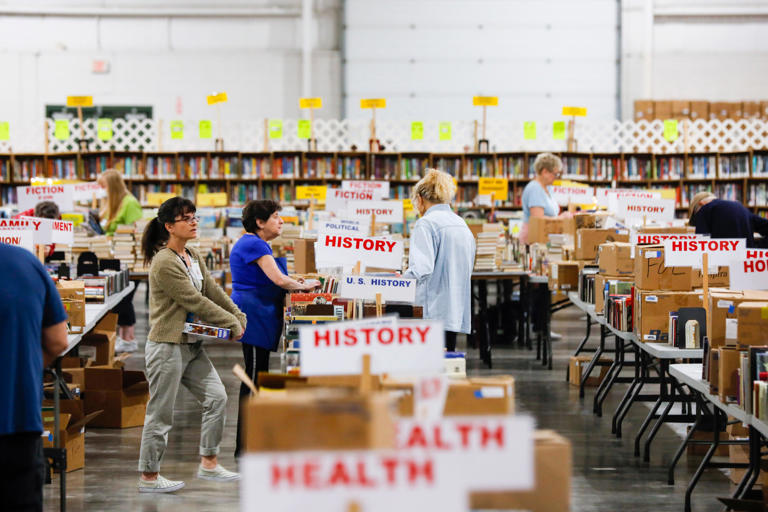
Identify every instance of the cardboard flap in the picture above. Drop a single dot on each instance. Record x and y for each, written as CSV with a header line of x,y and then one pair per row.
x,y
76,426
101,378
131,377
64,418
137,388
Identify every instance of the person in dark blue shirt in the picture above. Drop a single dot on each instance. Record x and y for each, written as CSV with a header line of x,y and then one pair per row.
x,y
33,332
720,218
259,281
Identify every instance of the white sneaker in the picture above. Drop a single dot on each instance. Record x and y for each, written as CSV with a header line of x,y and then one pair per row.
x,y
217,474
555,336
160,485
125,346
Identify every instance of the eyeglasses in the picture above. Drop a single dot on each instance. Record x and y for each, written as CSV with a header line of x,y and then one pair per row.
x,y
189,220
557,174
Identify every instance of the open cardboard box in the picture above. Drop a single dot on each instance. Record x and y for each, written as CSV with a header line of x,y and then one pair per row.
x,y
121,394
72,422
294,382
72,295
466,397
102,337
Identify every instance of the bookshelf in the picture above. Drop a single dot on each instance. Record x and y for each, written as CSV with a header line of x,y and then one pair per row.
x,y
701,166
130,164
384,166
413,166
93,164
255,165
513,166
194,165
576,166
225,165
452,163
607,167
352,166
319,166
161,166
63,166
638,167
479,165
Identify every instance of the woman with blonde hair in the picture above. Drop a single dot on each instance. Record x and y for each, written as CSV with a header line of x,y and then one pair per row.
x,y
120,208
442,254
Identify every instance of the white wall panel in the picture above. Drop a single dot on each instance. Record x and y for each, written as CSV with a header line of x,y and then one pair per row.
x,y
117,34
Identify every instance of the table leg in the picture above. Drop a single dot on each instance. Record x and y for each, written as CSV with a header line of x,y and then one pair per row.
x,y
485,337
621,412
580,347
593,362
704,462
688,436
613,372
667,393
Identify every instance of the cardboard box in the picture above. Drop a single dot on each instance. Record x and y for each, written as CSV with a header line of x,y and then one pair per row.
x,y
564,275
72,422
616,258
652,274
728,375
317,420
588,240
718,110
764,110
734,110
720,279
681,109
651,311
121,394
304,256
577,365
753,323
750,109
699,110
72,295
466,397
643,110
552,491
662,110
71,290
600,281
539,229
701,449
103,337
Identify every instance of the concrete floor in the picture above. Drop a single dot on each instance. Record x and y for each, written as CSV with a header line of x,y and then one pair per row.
x,y
606,475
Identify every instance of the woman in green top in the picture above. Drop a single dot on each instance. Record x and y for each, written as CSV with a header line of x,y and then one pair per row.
x,y
121,208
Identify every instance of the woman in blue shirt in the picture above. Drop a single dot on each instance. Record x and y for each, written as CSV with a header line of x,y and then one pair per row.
x,y
259,281
441,256
537,202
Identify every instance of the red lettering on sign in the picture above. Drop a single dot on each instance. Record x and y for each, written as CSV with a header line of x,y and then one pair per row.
x,y
487,435
423,331
404,333
464,430
425,471
12,240
416,438
279,474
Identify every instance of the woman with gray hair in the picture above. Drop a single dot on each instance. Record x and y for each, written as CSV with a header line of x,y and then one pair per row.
x,y
537,201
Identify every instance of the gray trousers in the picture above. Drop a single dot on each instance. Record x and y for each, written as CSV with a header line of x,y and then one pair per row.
x,y
168,365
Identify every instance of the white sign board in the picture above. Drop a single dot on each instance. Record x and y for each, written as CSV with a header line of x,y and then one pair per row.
x,y
387,212
429,394
494,452
86,191
381,186
658,238
336,200
348,250
404,347
609,197
687,253
20,237
392,289
60,194
751,272
339,481
52,231
343,227
578,195
660,210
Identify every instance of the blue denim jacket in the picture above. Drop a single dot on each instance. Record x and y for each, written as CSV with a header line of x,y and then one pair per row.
x,y
442,255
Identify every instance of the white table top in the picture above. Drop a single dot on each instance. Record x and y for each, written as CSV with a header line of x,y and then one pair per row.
x,y
94,313
664,351
538,279
690,375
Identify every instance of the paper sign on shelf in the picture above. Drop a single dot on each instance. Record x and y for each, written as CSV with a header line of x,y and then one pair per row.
x,y
485,101
23,238
316,192
373,103
28,197
214,98
636,238
575,111
444,130
177,129
343,481
610,198
61,129
387,212
558,130
212,199
5,130
349,249
382,186
670,130
51,231
304,129
392,289
750,272
75,218
79,101
205,129
158,198
407,205
660,210
417,130
687,253
275,128
310,102
498,187
85,191
104,129
336,200
343,227
577,195
397,347
529,130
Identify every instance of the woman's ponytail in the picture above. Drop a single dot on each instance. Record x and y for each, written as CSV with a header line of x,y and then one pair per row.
x,y
155,235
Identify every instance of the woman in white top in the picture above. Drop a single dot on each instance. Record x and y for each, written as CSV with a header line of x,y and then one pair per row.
x,y
537,201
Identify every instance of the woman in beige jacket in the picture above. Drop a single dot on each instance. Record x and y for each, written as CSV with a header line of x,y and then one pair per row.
x,y
181,290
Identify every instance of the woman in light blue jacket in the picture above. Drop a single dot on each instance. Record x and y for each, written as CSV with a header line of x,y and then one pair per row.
x,y
442,255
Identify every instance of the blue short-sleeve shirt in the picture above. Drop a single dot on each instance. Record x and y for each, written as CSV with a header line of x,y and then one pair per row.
x,y
30,303
535,195
245,251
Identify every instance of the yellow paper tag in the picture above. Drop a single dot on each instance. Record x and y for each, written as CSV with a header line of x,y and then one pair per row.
x,y
529,130
75,218
666,193
485,101
304,129
407,205
373,103
558,130
764,313
316,192
5,130
206,129
310,102
575,111
61,129
177,130
417,130
670,129
212,199
158,198
445,130
217,98
275,128
104,129
79,101
498,187
290,220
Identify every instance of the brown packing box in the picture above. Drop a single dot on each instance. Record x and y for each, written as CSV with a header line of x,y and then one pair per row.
x,y
600,280
764,110
584,220
121,394
662,109
588,240
681,109
701,449
564,275
700,110
466,397
539,229
651,311
739,453
722,307
71,290
72,295
304,256
552,490
103,337
718,110
734,110
317,420
577,365
72,421
750,109
616,258
652,274
720,279
728,382
753,323
643,110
